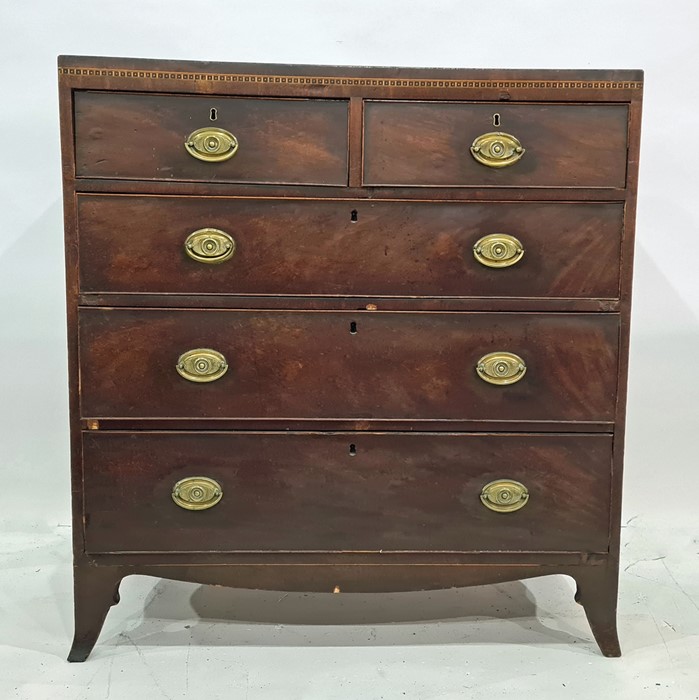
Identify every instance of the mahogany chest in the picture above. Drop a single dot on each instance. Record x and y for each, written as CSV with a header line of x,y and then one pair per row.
x,y
346,329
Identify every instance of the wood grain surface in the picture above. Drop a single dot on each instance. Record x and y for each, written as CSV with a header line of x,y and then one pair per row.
x,y
139,136
316,144
391,491
428,144
348,247
318,364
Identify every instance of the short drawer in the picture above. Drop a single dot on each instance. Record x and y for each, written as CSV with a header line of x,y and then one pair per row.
x,y
158,244
141,363
345,492
139,136
429,144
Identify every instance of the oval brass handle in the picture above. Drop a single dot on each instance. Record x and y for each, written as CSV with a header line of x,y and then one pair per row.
x,y
202,365
209,245
501,368
497,149
504,496
197,493
498,250
211,144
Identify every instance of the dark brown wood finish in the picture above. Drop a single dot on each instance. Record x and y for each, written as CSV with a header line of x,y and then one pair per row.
x,y
359,303
301,247
271,190
336,365
357,424
596,586
306,163
395,491
142,137
428,144
265,79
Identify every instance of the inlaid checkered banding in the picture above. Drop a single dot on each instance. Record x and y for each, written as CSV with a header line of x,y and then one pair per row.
x,y
368,82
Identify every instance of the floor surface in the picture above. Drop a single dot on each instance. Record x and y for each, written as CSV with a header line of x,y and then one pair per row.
x,y
174,640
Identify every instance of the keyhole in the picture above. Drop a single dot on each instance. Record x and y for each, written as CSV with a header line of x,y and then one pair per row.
x,y
353,327
353,450
353,216
496,119
213,114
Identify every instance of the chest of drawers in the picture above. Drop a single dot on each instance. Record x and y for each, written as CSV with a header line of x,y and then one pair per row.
x,y
346,329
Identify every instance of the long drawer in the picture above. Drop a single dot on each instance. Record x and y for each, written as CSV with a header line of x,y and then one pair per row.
x,y
344,492
518,145
139,136
268,364
210,245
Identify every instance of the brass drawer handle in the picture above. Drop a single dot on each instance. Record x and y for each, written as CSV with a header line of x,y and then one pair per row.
x,y
197,493
504,496
209,245
498,250
497,149
202,365
501,368
211,144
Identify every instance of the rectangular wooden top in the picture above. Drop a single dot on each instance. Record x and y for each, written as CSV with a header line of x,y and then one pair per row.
x,y
342,81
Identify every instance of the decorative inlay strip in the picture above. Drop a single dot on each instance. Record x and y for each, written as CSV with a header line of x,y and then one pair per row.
x,y
370,82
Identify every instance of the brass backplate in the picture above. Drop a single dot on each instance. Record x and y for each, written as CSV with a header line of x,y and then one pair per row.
x,y
498,250
504,495
202,365
501,368
209,245
211,144
497,149
197,493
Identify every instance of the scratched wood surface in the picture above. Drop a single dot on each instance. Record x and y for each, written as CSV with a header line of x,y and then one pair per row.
x,y
142,136
301,491
428,144
336,365
316,143
348,247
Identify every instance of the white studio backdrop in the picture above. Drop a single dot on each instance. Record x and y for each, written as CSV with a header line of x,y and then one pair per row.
x,y
662,475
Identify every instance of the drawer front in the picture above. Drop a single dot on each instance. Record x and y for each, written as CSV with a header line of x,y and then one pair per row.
x,y
316,364
297,491
128,136
424,144
297,247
